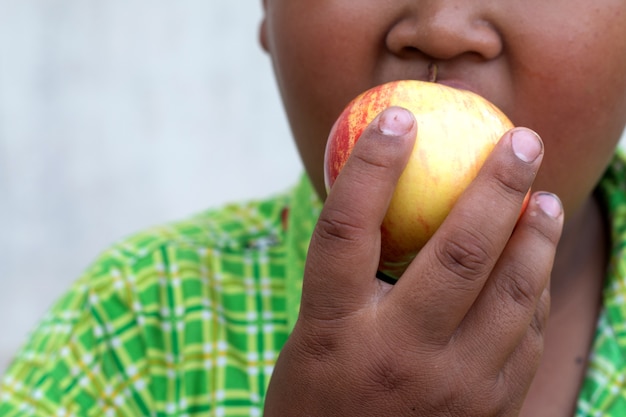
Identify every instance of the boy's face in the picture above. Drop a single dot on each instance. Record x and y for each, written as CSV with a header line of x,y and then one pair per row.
x,y
558,67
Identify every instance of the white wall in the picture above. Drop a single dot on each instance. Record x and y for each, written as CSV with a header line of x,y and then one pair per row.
x,y
119,114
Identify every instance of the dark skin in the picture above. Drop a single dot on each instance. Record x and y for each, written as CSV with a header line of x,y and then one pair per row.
x,y
495,316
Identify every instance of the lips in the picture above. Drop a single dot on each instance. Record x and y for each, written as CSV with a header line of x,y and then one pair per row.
x,y
459,85
468,79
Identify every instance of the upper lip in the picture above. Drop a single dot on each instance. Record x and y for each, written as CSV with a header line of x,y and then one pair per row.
x,y
459,76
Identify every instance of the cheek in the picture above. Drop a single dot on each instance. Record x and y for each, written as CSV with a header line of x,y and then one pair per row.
x,y
580,113
311,98
320,64
575,98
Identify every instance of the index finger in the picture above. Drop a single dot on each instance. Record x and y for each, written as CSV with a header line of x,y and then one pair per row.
x,y
343,255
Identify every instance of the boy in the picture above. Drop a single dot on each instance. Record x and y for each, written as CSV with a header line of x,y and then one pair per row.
x,y
491,318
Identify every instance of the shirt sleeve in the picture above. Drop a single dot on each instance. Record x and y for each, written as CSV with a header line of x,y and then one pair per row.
x,y
87,355
184,319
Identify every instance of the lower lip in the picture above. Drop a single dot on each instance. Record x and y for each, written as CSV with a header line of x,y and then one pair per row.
x,y
458,85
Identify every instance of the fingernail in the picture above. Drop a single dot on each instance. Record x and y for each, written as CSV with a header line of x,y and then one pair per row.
x,y
549,204
526,145
395,121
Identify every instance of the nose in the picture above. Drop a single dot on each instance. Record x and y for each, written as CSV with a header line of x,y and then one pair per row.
x,y
443,30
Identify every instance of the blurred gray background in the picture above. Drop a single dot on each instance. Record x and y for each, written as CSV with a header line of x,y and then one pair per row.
x,y
116,115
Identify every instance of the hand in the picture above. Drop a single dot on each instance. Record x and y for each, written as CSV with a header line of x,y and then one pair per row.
x,y
461,332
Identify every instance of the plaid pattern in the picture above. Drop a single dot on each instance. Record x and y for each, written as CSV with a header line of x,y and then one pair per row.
x,y
604,390
181,320
188,319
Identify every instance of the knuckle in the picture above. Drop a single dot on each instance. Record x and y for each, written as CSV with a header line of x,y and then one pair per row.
x,y
465,255
514,285
534,344
535,336
338,225
371,160
375,161
370,167
500,391
540,318
525,361
315,345
510,185
385,374
547,232
461,397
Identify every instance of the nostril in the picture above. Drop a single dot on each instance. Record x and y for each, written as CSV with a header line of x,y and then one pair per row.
x,y
410,52
443,33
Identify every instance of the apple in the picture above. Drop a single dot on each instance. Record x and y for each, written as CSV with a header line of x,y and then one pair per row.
x,y
456,131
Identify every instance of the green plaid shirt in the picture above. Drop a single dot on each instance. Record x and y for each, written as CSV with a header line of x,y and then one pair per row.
x,y
188,319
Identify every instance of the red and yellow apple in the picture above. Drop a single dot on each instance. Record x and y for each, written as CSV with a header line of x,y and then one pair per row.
x,y
456,131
